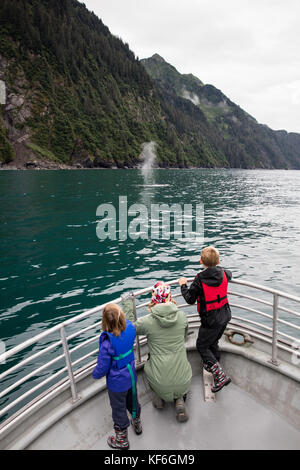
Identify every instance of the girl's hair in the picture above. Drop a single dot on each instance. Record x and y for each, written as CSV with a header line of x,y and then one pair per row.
x,y
113,319
152,304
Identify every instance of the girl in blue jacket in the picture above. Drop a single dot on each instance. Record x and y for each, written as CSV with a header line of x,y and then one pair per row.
x,y
116,361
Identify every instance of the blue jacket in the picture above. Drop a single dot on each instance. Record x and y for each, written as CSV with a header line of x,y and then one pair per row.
x,y
117,379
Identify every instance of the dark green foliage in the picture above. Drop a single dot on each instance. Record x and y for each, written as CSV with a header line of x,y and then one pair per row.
x,y
7,153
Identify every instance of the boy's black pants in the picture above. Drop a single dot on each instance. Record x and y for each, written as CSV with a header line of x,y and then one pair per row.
x,y
207,342
119,402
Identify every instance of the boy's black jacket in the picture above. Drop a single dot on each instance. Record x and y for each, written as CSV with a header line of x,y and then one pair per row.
x,y
212,277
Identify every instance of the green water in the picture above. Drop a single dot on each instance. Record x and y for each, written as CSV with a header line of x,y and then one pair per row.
x,y
53,265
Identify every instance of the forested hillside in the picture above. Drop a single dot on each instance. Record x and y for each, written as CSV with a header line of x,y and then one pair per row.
x,y
75,89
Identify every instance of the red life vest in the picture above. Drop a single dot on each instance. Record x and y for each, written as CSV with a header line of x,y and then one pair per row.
x,y
215,297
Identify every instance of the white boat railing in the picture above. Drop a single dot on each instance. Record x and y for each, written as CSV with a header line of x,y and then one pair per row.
x,y
279,340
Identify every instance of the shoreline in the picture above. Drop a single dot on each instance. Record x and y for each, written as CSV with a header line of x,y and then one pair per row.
x,y
48,166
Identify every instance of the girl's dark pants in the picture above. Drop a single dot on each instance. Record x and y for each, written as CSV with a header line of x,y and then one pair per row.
x,y
211,329
120,402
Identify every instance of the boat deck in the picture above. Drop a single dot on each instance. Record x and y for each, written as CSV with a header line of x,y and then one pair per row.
x,y
235,421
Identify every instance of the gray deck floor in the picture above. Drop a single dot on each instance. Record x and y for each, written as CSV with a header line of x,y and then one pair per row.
x,y
234,421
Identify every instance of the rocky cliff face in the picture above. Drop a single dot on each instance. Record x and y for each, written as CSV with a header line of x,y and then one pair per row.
x,y
75,94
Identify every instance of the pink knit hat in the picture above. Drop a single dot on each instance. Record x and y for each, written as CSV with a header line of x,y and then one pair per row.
x,y
161,293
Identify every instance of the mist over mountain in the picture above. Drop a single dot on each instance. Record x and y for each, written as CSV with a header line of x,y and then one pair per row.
x,y
76,95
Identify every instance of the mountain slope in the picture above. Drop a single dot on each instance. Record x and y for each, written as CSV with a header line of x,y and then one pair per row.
x,y
76,95
245,142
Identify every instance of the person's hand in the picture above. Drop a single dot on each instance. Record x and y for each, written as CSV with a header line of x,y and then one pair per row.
x,y
182,281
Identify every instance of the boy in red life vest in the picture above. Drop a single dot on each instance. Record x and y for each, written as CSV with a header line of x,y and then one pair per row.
x,y
209,289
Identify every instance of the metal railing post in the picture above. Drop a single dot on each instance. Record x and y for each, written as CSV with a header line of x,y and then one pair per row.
x,y
75,396
137,336
275,327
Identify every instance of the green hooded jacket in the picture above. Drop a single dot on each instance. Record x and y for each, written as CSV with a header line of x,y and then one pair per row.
x,y
168,370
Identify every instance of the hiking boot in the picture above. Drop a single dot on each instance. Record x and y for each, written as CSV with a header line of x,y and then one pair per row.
x,y
181,413
137,425
220,378
158,402
120,441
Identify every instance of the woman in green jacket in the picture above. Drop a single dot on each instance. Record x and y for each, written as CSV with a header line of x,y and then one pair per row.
x,y
168,370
